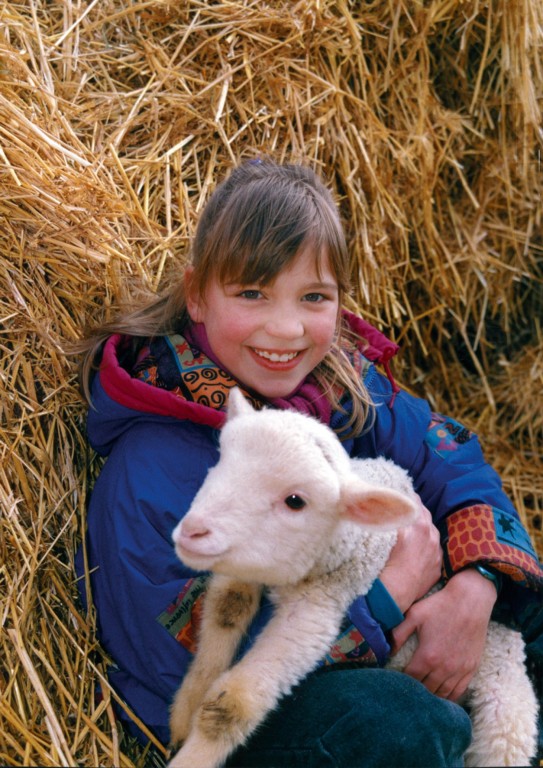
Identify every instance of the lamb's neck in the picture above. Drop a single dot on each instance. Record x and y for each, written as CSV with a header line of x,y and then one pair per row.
x,y
370,551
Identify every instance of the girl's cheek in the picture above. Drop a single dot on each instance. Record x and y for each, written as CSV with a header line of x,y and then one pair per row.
x,y
325,331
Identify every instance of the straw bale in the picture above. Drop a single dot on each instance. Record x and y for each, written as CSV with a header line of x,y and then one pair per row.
x,y
117,119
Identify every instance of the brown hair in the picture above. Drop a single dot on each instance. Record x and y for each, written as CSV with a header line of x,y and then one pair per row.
x,y
253,226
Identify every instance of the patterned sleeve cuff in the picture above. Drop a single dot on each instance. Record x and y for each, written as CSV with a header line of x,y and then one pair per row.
x,y
485,534
361,641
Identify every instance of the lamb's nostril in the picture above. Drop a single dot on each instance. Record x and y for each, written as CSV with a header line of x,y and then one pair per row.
x,y
193,529
199,534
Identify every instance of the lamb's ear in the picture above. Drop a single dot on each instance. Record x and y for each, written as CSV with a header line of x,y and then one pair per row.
x,y
238,404
374,507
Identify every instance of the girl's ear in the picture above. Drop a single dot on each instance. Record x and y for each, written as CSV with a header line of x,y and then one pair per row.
x,y
192,297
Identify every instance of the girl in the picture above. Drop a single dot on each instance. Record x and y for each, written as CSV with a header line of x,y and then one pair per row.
x,y
260,306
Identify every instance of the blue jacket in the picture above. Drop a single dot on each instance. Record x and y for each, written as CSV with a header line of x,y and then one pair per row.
x,y
159,448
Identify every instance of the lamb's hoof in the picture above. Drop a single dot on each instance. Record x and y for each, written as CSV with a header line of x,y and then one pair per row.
x,y
219,714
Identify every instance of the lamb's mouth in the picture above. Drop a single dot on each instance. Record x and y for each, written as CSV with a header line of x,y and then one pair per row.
x,y
191,554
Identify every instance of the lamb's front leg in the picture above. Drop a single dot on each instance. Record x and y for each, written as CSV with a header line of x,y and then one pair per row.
x,y
229,607
290,646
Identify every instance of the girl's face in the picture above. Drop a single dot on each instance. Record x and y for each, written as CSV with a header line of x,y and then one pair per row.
x,y
271,337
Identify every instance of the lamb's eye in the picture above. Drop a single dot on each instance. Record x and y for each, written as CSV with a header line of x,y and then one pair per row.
x,y
295,502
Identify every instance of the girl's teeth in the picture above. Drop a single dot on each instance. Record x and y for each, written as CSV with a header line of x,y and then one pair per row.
x,y
275,358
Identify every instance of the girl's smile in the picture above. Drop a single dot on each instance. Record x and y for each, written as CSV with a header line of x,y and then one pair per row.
x,y
276,358
270,337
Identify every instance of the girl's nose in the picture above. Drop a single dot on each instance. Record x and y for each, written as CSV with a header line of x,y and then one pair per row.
x,y
285,327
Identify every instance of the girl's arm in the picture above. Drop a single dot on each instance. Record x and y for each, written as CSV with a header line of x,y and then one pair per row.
x,y
476,520
477,524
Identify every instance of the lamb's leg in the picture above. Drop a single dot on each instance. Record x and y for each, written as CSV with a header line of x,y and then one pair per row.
x,y
503,704
229,606
290,646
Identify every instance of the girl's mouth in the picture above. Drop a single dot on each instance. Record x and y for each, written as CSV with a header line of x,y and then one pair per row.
x,y
275,359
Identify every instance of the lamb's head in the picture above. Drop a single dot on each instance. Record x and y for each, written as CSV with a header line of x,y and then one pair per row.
x,y
268,510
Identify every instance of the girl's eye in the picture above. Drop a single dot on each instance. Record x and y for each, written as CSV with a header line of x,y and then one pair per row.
x,y
314,298
250,293
295,502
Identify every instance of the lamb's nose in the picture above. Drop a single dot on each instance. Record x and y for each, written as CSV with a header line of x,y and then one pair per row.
x,y
193,529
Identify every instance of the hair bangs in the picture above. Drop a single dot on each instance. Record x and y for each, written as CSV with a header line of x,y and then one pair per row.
x,y
264,225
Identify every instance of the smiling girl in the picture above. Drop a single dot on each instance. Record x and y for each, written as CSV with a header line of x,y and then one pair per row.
x,y
260,306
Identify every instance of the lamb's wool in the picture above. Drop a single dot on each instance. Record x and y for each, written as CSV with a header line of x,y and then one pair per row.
x,y
287,509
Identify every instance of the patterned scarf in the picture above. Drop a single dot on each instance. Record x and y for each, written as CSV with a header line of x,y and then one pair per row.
x,y
186,366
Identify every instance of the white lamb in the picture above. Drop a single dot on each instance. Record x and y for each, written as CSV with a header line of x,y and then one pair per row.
x,y
286,509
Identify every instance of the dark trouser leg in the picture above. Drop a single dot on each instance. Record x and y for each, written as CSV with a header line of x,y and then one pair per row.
x,y
359,718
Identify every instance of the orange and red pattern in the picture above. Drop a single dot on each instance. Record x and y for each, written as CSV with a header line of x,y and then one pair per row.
x,y
351,647
481,533
171,363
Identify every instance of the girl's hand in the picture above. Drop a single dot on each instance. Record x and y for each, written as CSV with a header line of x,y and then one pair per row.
x,y
451,626
414,565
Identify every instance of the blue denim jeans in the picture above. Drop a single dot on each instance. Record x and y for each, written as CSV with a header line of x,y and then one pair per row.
x,y
359,718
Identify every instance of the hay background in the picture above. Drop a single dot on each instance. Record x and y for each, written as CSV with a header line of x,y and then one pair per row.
x,y
117,118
